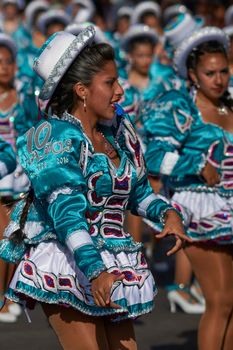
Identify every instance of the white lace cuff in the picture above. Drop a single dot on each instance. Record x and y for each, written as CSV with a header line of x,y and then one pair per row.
x,y
168,163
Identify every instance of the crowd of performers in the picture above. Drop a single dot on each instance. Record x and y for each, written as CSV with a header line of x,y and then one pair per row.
x,y
110,116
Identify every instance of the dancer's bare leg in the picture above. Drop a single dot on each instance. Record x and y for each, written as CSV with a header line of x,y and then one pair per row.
x,y
213,269
75,330
229,334
183,268
121,335
183,273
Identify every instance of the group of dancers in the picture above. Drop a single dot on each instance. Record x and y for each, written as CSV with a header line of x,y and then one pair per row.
x,y
97,126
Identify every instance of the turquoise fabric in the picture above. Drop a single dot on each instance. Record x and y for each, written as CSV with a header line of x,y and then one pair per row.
x,y
30,81
75,186
7,156
22,37
13,123
172,123
164,78
120,56
130,99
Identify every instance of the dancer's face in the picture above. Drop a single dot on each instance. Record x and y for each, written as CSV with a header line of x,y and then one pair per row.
x,y
212,75
141,57
7,66
103,92
54,28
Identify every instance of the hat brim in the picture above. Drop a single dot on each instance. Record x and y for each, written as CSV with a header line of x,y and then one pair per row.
x,y
133,36
44,21
229,31
198,37
9,43
73,50
143,8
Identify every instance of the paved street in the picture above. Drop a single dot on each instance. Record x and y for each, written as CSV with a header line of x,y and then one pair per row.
x,y
160,330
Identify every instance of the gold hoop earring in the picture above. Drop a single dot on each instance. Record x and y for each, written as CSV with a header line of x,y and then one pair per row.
x,y
84,103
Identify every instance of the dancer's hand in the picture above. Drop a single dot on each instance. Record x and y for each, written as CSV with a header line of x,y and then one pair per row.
x,y
210,175
101,288
173,226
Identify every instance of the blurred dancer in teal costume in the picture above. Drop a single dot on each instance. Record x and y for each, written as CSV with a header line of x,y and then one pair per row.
x,y
162,70
12,124
229,31
11,22
86,168
190,139
30,82
12,117
139,43
7,166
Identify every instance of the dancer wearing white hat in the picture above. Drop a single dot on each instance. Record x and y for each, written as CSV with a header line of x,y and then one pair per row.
x,y
194,149
86,167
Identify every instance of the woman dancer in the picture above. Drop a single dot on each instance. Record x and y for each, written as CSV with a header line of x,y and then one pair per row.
x,y
86,168
190,139
12,123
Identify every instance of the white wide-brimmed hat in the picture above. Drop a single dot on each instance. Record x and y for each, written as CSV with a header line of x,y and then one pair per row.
x,y
19,3
7,41
76,28
138,31
200,36
46,18
174,10
144,7
83,3
32,8
181,27
56,56
86,11
229,30
228,18
124,11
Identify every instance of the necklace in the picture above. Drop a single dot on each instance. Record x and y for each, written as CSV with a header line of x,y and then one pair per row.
x,y
4,95
222,110
108,148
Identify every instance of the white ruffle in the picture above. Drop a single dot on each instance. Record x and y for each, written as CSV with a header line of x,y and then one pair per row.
x,y
51,260
31,229
14,183
201,204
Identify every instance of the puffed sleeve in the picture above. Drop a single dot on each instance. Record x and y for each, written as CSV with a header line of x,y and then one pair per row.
x,y
167,127
51,155
7,159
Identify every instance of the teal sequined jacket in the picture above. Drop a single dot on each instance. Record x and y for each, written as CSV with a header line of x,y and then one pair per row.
x,y
80,195
179,143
